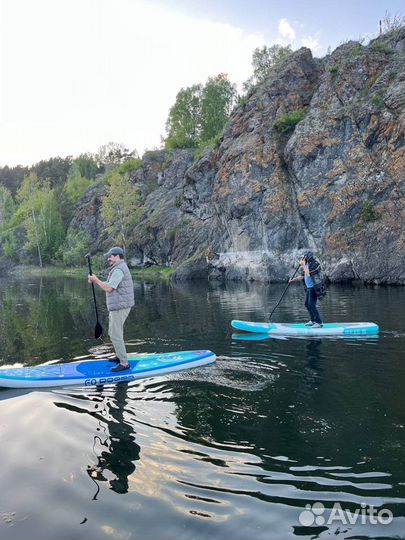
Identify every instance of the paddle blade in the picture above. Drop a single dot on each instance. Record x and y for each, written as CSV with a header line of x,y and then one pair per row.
x,y
98,331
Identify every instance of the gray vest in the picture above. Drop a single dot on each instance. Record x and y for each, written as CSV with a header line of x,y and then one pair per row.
x,y
123,296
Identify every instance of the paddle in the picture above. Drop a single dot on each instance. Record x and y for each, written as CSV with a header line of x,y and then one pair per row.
x,y
98,329
285,290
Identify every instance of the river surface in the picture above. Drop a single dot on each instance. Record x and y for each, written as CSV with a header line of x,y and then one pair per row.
x,y
240,449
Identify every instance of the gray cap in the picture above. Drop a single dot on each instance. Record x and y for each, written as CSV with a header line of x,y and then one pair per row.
x,y
115,251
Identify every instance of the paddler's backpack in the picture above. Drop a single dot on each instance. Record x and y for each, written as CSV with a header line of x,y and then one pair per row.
x,y
317,275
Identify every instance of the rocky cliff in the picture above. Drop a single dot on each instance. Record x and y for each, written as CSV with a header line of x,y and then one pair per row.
x,y
334,181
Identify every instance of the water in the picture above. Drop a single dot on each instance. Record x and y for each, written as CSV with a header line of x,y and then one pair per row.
x,y
235,450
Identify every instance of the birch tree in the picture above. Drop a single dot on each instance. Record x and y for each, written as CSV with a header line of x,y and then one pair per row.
x,y
121,207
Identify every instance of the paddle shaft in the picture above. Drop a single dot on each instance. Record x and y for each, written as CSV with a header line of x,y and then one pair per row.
x,y
99,329
285,290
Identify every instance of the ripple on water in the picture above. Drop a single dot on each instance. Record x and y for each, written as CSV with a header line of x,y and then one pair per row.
x,y
237,449
94,444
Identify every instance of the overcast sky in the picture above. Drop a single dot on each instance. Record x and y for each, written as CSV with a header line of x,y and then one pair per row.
x,y
76,74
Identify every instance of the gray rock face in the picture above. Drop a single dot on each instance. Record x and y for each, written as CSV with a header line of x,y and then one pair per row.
x,y
160,235
334,182
88,217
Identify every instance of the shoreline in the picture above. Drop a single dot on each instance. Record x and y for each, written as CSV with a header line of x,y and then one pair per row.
x,y
157,273
154,273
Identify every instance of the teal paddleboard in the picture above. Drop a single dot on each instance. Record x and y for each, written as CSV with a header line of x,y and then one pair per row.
x,y
300,329
98,372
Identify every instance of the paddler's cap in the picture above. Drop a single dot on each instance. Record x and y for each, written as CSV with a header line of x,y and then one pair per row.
x,y
115,251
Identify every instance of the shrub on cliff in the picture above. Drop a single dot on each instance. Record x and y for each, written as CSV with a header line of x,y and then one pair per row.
x,y
368,213
287,122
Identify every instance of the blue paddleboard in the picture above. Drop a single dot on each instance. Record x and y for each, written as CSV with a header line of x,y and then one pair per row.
x,y
98,372
299,329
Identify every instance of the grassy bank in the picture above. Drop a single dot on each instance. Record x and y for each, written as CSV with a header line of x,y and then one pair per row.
x,y
49,271
151,273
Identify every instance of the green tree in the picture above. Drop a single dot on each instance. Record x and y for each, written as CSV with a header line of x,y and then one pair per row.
x,y
121,207
6,206
264,59
12,177
183,123
217,100
7,230
75,247
39,213
76,184
113,154
54,170
87,165
200,113
51,230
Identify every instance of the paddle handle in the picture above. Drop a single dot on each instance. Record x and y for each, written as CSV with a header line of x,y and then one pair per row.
x,y
285,290
92,287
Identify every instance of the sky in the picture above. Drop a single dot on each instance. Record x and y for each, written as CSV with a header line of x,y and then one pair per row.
x,y
77,74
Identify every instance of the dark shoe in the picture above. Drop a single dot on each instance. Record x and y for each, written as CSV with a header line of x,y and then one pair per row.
x,y
120,367
116,360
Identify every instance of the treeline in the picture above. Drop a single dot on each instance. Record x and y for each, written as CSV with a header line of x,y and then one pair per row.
x,y
37,203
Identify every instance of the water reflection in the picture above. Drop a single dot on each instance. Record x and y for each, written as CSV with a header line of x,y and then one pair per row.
x,y
276,424
313,351
114,446
313,367
119,450
43,319
255,337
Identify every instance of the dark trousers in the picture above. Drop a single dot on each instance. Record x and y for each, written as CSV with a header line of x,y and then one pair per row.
x,y
310,304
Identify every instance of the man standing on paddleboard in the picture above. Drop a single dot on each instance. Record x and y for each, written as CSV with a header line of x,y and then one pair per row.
x,y
119,289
